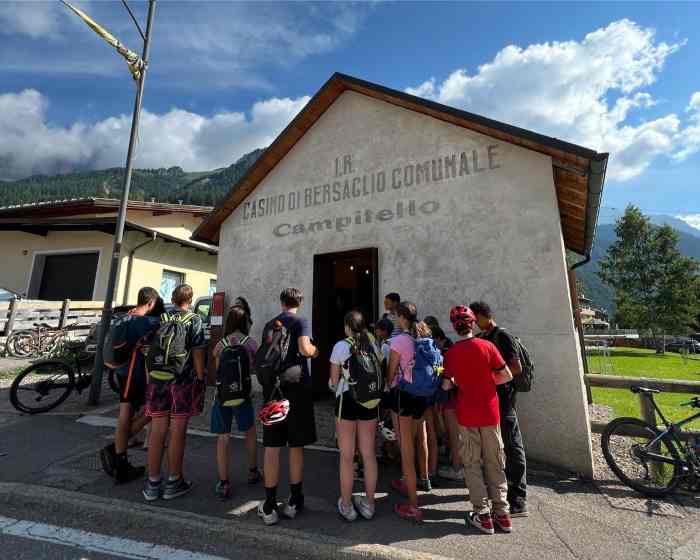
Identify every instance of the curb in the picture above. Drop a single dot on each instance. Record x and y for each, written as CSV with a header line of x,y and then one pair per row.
x,y
35,498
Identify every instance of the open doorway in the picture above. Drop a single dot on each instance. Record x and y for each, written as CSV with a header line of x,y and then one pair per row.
x,y
342,282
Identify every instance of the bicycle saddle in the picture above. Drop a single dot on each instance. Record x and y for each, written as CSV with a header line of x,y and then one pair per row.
x,y
647,390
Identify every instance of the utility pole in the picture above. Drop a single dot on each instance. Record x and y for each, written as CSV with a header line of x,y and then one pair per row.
x,y
96,384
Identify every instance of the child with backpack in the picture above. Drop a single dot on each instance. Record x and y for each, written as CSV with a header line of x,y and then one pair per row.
x,y
475,367
175,392
233,357
414,367
356,373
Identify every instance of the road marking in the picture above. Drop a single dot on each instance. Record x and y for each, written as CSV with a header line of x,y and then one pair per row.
x,y
96,542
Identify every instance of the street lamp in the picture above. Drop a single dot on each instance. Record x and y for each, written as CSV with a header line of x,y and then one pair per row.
x,y
137,67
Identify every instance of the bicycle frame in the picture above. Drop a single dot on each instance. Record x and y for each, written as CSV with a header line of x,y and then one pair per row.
x,y
672,429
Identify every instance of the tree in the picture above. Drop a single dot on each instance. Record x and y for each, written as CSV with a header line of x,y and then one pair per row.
x,y
656,287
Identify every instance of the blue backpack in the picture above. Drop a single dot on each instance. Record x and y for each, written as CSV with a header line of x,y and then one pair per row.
x,y
426,370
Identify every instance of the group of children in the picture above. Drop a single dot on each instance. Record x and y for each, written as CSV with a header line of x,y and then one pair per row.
x,y
466,380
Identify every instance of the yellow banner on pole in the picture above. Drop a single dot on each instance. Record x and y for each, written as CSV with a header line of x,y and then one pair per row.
x,y
133,60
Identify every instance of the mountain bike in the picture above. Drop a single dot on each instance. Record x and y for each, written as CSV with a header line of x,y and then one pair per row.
x,y
650,460
47,383
42,340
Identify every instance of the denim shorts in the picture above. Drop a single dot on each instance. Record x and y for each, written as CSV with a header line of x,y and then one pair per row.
x,y
222,417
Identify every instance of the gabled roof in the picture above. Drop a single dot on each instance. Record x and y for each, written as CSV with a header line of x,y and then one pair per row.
x,y
76,206
579,173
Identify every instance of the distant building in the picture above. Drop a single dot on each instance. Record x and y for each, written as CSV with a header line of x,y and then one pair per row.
x,y
592,319
62,249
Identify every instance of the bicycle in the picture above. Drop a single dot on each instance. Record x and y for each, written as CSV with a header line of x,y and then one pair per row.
x,y
651,461
42,340
47,383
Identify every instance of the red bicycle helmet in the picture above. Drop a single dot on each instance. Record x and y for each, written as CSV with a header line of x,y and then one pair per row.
x,y
462,318
274,412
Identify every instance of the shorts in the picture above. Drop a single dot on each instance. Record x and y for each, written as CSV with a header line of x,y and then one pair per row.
x,y
132,392
451,403
222,417
407,405
299,429
177,400
351,410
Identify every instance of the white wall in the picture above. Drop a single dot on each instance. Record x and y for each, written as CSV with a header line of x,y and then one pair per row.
x,y
493,234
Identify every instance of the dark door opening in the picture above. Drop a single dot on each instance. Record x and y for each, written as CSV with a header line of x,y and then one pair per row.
x,y
342,282
67,276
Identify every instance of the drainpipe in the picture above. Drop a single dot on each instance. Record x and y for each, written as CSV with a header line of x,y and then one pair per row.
x,y
127,284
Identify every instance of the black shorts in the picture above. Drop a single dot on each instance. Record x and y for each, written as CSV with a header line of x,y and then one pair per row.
x,y
299,429
350,409
407,405
134,392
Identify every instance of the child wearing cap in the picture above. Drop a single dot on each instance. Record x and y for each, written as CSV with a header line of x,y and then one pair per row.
x,y
475,367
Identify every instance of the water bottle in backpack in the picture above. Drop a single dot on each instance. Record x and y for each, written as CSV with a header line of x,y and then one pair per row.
x,y
167,355
233,381
426,370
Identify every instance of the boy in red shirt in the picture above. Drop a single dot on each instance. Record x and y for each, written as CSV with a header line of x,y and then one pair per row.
x,y
475,366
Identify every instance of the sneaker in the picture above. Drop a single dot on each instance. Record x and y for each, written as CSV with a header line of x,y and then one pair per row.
x,y
483,522
176,488
503,522
346,512
128,473
292,510
223,490
268,518
108,458
424,485
408,512
518,508
151,490
363,507
399,485
452,473
255,475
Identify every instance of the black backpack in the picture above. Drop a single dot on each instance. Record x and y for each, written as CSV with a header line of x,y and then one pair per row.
x,y
523,382
168,352
272,354
366,381
116,350
233,381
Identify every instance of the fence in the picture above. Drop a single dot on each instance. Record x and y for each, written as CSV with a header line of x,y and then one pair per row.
x,y
76,316
647,411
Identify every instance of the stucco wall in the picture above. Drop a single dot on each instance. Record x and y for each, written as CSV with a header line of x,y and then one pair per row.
x,y
489,230
16,266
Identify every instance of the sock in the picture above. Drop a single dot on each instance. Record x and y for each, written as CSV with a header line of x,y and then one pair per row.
x,y
174,477
154,480
297,497
121,460
223,481
270,500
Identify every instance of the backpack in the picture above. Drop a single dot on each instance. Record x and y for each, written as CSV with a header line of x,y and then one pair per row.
x,y
426,370
523,382
272,353
366,382
168,352
116,350
233,382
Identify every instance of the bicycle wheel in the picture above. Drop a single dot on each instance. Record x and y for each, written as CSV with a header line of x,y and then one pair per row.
x,y
21,344
627,456
42,387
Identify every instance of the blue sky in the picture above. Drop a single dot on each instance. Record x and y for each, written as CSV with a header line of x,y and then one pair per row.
x,y
225,78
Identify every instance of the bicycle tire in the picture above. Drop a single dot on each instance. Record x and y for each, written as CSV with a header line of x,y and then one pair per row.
x,y
669,481
51,368
16,344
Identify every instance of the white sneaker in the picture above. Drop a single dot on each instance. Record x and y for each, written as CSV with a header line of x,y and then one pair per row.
x,y
290,510
363,507
451,473
268,518
347,513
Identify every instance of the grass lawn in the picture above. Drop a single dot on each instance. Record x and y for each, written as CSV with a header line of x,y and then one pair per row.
x,y
633,362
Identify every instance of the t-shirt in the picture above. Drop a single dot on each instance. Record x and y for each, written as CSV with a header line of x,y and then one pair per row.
x,y
405,345
471,363
139,327
507,347
297,326
395,321
235,338
340,355
195,340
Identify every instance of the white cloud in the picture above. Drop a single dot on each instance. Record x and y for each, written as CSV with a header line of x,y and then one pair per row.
x,y
693,220
30,145
581,91
33,19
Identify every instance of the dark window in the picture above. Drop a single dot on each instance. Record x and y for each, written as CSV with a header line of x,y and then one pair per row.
x,y
65,276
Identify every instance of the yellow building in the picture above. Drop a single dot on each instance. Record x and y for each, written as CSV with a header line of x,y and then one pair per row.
x,y
62,250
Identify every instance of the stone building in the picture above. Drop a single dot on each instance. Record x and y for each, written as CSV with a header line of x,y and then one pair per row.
x,y
370,190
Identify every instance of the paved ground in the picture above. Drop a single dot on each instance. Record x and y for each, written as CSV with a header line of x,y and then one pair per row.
x,y
570,518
